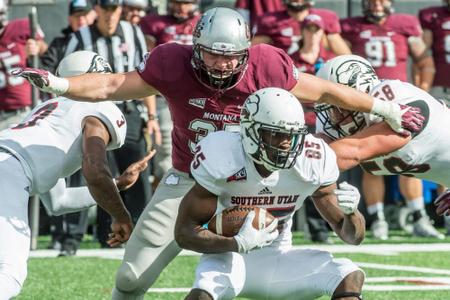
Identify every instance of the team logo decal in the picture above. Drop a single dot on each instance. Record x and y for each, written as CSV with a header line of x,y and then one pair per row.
x,y
238,176
141,66
198,102
351,71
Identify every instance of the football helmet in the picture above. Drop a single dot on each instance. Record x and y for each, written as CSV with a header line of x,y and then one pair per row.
x,y
81,62
178,15
220,31
376,16
298,6
273,113
355,72
141,4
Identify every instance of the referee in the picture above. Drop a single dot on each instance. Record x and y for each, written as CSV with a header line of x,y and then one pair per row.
x,y
123,44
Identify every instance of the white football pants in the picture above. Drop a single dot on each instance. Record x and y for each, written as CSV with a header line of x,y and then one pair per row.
x,y
272,273
152,245
14,229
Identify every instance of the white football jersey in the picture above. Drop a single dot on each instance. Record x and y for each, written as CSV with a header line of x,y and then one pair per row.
x,y
426,156
221,166
49,141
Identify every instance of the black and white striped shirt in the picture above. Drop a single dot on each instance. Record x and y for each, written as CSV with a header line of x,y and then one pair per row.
x,y
124,50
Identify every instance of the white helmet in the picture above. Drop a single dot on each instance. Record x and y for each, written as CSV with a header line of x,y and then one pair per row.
x,y
81,62
220,31
355,72
141,4
274,111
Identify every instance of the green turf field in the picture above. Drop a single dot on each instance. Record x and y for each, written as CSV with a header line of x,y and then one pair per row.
x,y
422,275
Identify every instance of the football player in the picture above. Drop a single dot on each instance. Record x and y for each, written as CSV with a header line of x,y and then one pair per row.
x,y
274,164
57,138
436,33
252,9
366,140
205,86
134,10
282,28
15,47
386,40
177,26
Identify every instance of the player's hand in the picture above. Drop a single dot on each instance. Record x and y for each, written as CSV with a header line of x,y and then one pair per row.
x,y
121,231
405,119
131,174
442,203
250,238
347,197
43,80
154,130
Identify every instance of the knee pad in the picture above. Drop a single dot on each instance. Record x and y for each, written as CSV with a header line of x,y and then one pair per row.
x,y
127,280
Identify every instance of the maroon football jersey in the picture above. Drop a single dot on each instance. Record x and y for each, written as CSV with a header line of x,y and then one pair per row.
x,y
437,20
259,7
386,45
285,31
197,110
15,92
167,29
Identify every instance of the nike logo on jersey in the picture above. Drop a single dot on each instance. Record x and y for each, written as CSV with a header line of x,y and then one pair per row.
x,y
198,102
120,122
239,175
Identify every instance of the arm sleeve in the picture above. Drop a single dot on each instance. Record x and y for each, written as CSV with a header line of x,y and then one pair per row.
x,y
62,200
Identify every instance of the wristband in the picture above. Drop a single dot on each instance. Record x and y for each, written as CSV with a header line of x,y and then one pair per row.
x,y
153,117
57,85
381,108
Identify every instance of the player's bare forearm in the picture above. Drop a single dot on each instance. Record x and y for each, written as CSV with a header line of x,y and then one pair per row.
x,y
197,208
196,238
99,180
353,228
426,70
349,228
95,87
376,140
313,89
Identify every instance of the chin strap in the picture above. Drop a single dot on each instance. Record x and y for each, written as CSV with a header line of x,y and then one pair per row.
x,y
347,294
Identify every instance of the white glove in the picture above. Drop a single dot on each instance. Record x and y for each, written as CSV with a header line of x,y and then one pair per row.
x,y
43,80
249,238
348,197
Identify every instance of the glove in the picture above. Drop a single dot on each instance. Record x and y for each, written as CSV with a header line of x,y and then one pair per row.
x,y
348,198
398,116
249,238
442,203
43,80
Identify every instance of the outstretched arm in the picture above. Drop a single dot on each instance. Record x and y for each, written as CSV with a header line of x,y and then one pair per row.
x,y
376,140
92,87
313,89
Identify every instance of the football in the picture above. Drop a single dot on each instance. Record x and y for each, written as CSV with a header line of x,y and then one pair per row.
x,y
229,221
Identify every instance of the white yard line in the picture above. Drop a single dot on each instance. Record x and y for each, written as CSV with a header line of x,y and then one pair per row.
x,y
403,268
377,249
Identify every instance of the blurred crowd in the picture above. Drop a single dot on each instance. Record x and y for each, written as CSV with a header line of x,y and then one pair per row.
x,y
123,31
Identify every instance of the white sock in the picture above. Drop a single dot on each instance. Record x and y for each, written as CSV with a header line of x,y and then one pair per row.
x,y
416,204
375,208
